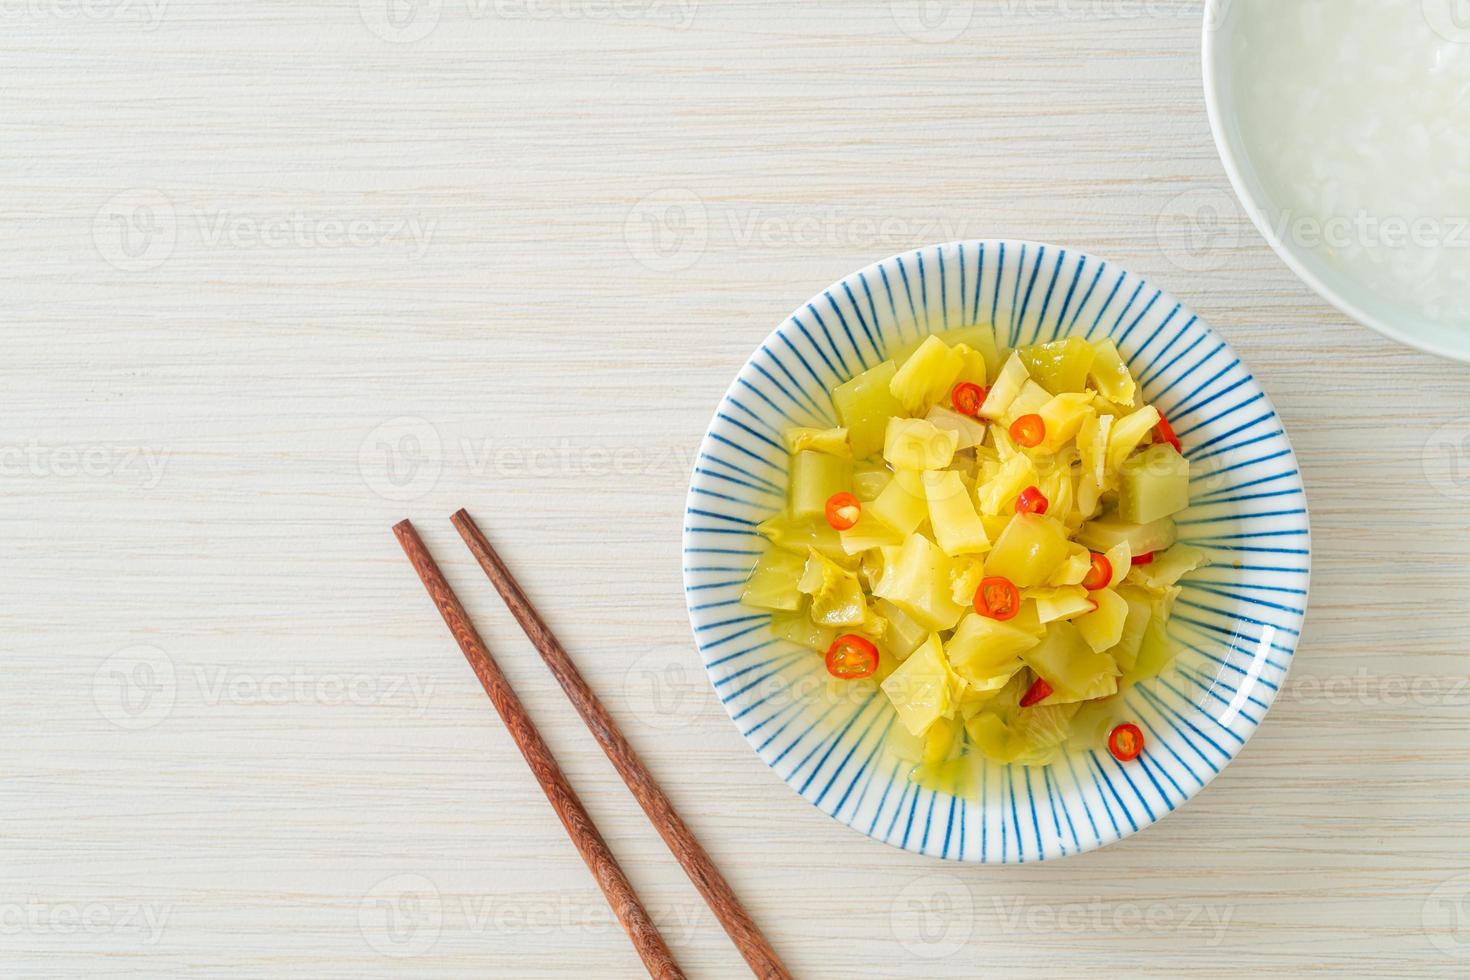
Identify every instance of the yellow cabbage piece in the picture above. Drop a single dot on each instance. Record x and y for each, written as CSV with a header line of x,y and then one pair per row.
x,y
1030,400
903,633
868,532
865,405
1128,433
1073,570
1168,568
1059,365
957,777
1064,416
1153,484
966,572
1140,614
1067,602
1092,447
1103,627
957,527
997,496
814,477
1074,671
1109,531
923,688
793,534
837,595
772,583
980,339
917,580
915,444
902,505
869,480
1005,389
1155,652
927,376
986,652
798,628
1120,559
968,431
1029,550
1110,375
830,441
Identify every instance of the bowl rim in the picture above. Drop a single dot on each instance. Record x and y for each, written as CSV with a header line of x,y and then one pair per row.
x,y
1305,517
1215,14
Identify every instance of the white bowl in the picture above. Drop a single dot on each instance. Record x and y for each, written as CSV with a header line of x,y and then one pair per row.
x,y
1335,284
1235,626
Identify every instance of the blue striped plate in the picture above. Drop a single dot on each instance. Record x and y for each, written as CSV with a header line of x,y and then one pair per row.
x,y
1236,623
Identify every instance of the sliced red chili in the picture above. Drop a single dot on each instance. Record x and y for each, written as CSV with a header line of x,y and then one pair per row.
x,y
843,510
998,598
1146,558
852,657
1039,691
967,397
1029,431
1099,573
1032,501
1164,432
1125,742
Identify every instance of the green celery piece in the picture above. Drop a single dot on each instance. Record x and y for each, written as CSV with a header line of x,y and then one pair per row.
x,y
814,477
865,404
1153,485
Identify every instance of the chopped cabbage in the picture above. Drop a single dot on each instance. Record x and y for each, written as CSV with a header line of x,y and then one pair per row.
x,y
831,441
903,504
914,444
923,687
1110,375
1168,568
813,478
927,376
1005,389
938,495
865,405
1103,627
998,494
957,527
917,581
837,595
772,583
1029,550
970,432
1060,365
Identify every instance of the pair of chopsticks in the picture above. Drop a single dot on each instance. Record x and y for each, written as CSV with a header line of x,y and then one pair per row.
x,y
635,920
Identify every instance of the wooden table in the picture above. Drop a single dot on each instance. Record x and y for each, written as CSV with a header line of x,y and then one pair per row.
x,y
276,275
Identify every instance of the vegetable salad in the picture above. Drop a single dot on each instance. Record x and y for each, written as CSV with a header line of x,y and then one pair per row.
x,y
989,539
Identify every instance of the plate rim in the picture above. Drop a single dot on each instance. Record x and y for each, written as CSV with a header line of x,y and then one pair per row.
x,y
1104,839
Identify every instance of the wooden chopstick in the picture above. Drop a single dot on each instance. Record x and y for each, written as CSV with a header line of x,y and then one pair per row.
x,y
680,839
584,834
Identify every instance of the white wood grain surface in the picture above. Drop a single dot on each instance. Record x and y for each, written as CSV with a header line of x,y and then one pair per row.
x,y
275,275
